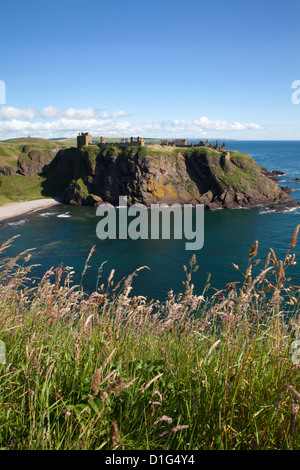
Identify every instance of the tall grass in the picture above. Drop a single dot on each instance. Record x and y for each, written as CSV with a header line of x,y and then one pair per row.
x,y
112,371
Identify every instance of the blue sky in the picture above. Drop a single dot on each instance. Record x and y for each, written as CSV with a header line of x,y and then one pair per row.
x,y
205,68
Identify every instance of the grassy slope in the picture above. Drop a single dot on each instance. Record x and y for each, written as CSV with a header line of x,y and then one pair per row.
x,y
16,188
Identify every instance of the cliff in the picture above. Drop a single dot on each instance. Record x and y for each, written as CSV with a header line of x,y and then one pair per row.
x,y
33,168
154,174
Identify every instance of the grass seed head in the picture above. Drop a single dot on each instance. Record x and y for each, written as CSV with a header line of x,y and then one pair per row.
x,y
294,237
114,387
115,435
253,250
96,382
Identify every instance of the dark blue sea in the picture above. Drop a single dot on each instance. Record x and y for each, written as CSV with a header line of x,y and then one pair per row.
x,y
65,235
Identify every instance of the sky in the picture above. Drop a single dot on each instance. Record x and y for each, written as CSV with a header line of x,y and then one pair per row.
x,y
160,68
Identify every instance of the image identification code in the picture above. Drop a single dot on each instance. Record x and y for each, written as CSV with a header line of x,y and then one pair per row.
x,y
159,459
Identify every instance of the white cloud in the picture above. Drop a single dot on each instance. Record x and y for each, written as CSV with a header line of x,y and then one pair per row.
x,y
52,112
114,114
9,112
73,113
57,122
204,123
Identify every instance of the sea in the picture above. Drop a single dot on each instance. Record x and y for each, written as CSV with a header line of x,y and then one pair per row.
x,y
65,235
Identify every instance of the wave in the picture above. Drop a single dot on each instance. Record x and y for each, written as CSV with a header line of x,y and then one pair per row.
x,y
266,211
46,214
284,211
293,209
17,222
66,215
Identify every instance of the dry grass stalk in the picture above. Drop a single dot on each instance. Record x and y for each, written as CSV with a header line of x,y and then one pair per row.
x,y
126,385
108,359
175,429
111,374
294,237
295,406
281,272
86,266
295,392
110,276
115,386
115,435
267,260
294,411
150,382
213,347
102,395
253,250
274,257
8,243
96,382
163,418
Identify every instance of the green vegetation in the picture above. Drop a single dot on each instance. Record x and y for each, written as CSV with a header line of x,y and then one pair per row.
x,y
11,149
237,180
17,188
200,151
111,371
158,150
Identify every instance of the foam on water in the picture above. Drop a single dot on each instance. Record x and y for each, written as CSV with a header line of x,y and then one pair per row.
x,y
285,211
47,214
266,211
17,222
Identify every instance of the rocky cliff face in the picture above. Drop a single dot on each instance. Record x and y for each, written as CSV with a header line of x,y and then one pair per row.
x,y
151,175
32,162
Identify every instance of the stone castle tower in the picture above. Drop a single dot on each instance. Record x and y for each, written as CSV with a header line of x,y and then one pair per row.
x,y
83,138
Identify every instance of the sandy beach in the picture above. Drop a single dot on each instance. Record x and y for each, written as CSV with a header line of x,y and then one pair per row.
x,y
14,209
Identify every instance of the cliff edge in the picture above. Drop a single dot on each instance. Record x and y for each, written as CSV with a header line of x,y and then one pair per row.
x,y
154,174
35,168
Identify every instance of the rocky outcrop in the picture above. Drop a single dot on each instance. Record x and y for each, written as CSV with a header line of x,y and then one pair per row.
x,y
32,162
284,207
274,174
287,189
150,175
7,170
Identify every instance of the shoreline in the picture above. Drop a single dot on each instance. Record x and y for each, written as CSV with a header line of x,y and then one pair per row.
x,y
15,209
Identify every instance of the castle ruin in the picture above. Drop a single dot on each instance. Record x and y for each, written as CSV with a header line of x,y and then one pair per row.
x,y
183,143
84,138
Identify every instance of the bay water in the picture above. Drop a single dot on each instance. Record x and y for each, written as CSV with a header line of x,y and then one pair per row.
x,y
65,235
